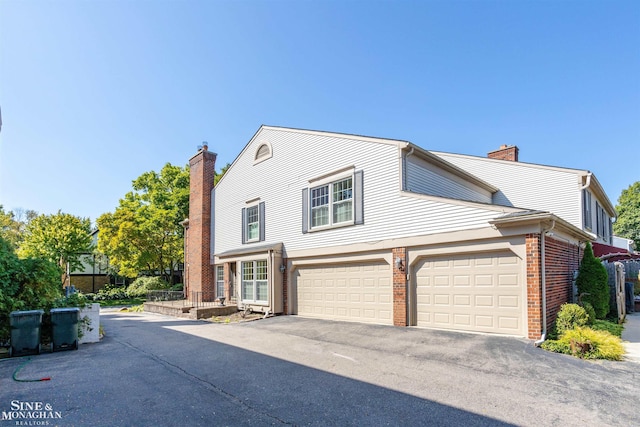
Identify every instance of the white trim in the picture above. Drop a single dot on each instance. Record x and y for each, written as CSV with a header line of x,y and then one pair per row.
x,y
332,176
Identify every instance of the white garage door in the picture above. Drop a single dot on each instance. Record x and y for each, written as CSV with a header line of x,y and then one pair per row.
x,y
481,292
356,292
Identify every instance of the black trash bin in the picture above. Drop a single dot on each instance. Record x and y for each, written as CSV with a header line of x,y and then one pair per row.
x,y
25,332
64,328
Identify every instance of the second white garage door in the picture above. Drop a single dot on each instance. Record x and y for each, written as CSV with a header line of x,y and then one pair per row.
x,y
481,292
356,292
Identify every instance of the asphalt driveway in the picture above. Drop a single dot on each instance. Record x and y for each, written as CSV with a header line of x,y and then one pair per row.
x,y
152,370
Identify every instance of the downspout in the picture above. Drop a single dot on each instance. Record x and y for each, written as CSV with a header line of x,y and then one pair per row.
x,y
404,159
544,284
272,261
588,183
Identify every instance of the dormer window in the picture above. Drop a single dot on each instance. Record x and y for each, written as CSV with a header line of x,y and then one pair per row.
x,y
262,153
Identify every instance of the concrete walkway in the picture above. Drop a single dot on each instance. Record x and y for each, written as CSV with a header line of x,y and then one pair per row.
x,y
631,337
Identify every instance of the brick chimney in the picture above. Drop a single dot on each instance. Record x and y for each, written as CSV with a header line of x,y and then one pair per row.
x,y
199,273
506,152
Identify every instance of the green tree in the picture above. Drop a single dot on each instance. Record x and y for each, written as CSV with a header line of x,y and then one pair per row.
x,y
144,234
59,238
13,224
219,176
25,284
628,222
593,284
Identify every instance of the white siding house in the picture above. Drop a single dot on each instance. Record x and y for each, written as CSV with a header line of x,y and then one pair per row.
x,y
348,227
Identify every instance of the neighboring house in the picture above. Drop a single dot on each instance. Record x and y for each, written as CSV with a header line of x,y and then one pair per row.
x,y
376,230
93,274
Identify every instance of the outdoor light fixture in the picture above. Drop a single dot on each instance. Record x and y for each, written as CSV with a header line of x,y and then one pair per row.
x,y
282,267
399,264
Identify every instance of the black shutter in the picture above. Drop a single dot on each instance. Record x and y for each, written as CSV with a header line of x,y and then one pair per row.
x,y
261,219
244,226
358,199
305,210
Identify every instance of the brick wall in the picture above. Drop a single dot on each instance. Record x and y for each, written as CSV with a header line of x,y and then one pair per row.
x,y
534,286
201,274
285,290
399,288
89,283
561,260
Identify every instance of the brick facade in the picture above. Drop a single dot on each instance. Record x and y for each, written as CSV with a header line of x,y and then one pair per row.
x,y
534,286
285,290
89,283
561,260
399,288
200,275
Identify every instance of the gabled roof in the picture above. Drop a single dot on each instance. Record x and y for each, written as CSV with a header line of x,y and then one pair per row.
x,y
588,178
534,216
401,144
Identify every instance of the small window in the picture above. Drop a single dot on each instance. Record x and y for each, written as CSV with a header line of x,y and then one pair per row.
x,y
586,209
220,281
253,223
262,153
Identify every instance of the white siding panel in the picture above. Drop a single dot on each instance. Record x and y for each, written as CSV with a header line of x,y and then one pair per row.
x,y
425,178
299,157
528,186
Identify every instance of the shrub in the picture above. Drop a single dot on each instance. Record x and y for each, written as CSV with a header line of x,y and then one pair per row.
x,y
140,287
590,312
177,287
587,343
611,327
25,284
592,283
570,317
110,293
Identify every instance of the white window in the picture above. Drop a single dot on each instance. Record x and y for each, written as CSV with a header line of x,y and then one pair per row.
x,y
219,281
603,223
253,223
255,284
335,200
586,209
332,204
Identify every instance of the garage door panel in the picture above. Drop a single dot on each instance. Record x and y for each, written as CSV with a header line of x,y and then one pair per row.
x,y
480,292
360,292
508,280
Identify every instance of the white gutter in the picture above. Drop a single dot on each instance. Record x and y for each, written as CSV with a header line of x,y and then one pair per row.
x,y
588,183
544,285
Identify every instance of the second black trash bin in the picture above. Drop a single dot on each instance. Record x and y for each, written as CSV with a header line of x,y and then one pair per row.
x,y
64,328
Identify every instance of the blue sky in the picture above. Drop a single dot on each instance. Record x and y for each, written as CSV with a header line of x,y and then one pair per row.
x,y
94,93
